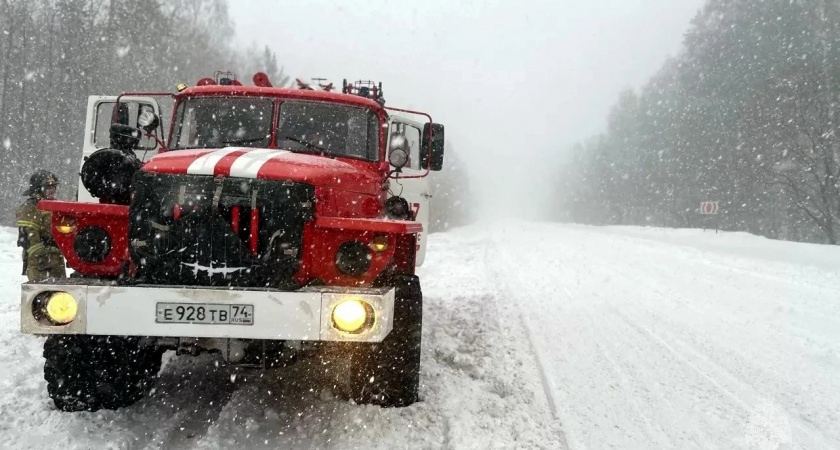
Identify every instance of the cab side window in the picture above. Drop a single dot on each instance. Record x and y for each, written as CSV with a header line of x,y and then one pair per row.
x,y
412,135
127,115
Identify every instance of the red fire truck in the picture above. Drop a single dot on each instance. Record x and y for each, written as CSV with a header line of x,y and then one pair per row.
x,y
271,224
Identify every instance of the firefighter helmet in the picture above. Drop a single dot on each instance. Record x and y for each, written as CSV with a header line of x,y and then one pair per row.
x,y
39,180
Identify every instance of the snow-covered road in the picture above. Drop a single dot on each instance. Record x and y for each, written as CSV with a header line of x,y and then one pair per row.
x,y
679,338
535,336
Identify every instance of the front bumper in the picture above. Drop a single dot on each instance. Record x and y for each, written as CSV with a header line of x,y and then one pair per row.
x,y
108,309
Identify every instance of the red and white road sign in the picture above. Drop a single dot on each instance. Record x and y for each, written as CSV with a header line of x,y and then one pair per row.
x,y
708,207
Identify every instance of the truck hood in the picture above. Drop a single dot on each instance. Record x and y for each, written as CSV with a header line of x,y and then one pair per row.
x,y
269,164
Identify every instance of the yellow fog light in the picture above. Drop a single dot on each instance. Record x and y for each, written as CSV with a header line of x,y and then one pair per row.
x,y
379,244
352,316
66,225
61,308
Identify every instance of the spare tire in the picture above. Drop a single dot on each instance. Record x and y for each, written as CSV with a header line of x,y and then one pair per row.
x,y
107,173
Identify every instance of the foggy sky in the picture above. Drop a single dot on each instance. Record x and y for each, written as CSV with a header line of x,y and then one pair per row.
x,y
514,84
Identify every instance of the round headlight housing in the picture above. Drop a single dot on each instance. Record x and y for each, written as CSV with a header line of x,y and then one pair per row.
x,y
379,244
66,225
353,316
398,158
353,258
147,120
397,208
92,244
60,308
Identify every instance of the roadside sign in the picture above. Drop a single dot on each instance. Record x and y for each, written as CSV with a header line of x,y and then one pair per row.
x,y
709,208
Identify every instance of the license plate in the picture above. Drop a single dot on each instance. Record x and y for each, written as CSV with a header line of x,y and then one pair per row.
x,y
205,313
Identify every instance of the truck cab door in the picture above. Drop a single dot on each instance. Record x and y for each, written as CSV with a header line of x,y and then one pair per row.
x,y
414,190
100,116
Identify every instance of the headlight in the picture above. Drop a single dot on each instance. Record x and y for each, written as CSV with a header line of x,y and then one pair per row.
x,y
397,208
352,316
66,225
379,244
61,308
92,244
398,158
147,120
352,258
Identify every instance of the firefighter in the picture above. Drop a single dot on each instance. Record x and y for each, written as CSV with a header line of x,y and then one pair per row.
x,y
41,257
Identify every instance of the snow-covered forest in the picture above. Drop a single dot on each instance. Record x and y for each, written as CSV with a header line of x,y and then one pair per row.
x,y
745,115
55,53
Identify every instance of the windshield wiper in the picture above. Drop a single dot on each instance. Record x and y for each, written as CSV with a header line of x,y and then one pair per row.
x,y
243,141
309,145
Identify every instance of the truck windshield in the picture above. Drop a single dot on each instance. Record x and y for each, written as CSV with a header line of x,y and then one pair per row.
x,y
330,129
213,122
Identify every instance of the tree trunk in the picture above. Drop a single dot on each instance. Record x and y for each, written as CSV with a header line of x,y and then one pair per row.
x,y
7,68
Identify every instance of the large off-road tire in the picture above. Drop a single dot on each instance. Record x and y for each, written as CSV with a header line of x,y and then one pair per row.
x,y
388,373
87,373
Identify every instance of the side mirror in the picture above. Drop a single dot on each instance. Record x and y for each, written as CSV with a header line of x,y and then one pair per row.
x,y
124,137
436,145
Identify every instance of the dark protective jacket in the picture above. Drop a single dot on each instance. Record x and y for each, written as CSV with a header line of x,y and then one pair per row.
x,y
41,257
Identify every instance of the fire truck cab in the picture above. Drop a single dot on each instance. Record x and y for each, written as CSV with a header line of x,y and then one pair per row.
x,y
270,224
101,114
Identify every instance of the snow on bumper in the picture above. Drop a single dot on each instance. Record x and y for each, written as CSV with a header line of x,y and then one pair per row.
x,y
105,309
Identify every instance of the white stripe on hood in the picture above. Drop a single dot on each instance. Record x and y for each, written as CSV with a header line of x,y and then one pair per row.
x,y
249,164
205,165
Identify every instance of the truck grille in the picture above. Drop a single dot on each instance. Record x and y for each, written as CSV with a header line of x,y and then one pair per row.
x,y
205,231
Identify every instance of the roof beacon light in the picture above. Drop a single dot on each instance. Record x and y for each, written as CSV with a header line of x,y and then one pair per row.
x,y
226,79
261,80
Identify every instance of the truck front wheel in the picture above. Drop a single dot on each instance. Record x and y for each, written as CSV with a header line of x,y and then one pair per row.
x,y
87,373
388,373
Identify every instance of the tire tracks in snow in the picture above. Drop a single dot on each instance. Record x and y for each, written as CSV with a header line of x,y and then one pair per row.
x,y
741,392
194,392
726,387
574,436
794,340
655,432
695,400
548,388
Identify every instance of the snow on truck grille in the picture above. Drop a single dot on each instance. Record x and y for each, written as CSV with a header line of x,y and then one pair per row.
x,y
204,231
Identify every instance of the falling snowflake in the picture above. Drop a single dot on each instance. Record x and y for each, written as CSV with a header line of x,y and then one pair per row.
x,y
7,144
